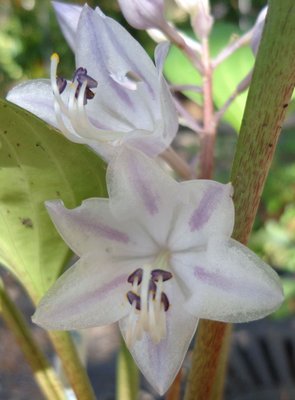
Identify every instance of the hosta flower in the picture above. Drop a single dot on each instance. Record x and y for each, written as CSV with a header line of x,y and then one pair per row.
x,y
156,256
116,94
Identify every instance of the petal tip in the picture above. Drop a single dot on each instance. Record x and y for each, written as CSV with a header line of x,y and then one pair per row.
x,y
53,204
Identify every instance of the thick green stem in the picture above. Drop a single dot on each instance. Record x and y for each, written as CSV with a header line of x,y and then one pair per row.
x,y
72,366
43,372
127,375
174,390
270,92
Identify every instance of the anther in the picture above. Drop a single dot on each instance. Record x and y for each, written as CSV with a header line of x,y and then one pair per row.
x,y
157,273
165,301
81,76
138,273
132,297
61,84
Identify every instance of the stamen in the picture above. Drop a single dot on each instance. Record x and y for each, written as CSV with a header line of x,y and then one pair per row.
x,y
149,303
165,301
61,84
160,273
132,297
136,274
132,322
81,77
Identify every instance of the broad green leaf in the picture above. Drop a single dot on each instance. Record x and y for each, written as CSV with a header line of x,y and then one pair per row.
x,y
226,76
36,164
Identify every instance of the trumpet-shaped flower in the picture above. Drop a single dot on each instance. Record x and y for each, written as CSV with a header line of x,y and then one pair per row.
x,y
156,256
116,94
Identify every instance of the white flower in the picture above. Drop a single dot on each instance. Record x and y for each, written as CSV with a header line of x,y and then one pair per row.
x,y
156,256
117,95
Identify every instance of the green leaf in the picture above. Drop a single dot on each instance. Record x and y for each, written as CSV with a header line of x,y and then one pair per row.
x,y
36,164
226,76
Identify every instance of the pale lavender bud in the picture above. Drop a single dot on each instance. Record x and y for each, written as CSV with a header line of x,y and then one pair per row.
x,y
257,30
143,14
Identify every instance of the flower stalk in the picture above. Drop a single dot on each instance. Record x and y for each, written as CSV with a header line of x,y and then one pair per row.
x,y
269,95
72,366
44,375
208,136
127,376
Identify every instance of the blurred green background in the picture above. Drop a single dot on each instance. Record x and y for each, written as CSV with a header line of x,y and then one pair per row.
x,y
29,33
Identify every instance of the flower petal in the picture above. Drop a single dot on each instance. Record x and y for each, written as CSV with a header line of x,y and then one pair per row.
x,y
90,293
209,211
68,17
139,188
160,363
35,96
106,49
231,284
168,127
161,53
91,226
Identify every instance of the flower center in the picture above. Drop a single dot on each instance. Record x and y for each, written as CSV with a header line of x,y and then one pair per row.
x,y
73,105
149,304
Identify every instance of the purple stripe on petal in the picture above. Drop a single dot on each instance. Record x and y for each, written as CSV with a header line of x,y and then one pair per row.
x,y
111,233
212,278
100,54
236,287
143,188
206,207
111,286
100,229
88,298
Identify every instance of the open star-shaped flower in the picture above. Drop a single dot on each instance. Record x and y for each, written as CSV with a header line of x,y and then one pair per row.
x,y
116,94
156,256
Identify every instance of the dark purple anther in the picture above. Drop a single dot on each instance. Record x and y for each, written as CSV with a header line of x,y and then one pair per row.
x,y
157,273
61,84
134,297
165,301
81,76
136,274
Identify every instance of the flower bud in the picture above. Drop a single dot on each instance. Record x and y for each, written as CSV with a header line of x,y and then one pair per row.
x,y
201,19
143,14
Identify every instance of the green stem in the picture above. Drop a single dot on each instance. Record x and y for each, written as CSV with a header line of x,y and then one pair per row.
x,y
270,92
72,366
127,376
43,372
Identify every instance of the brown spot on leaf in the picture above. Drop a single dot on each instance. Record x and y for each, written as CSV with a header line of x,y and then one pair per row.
x,y
27,222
